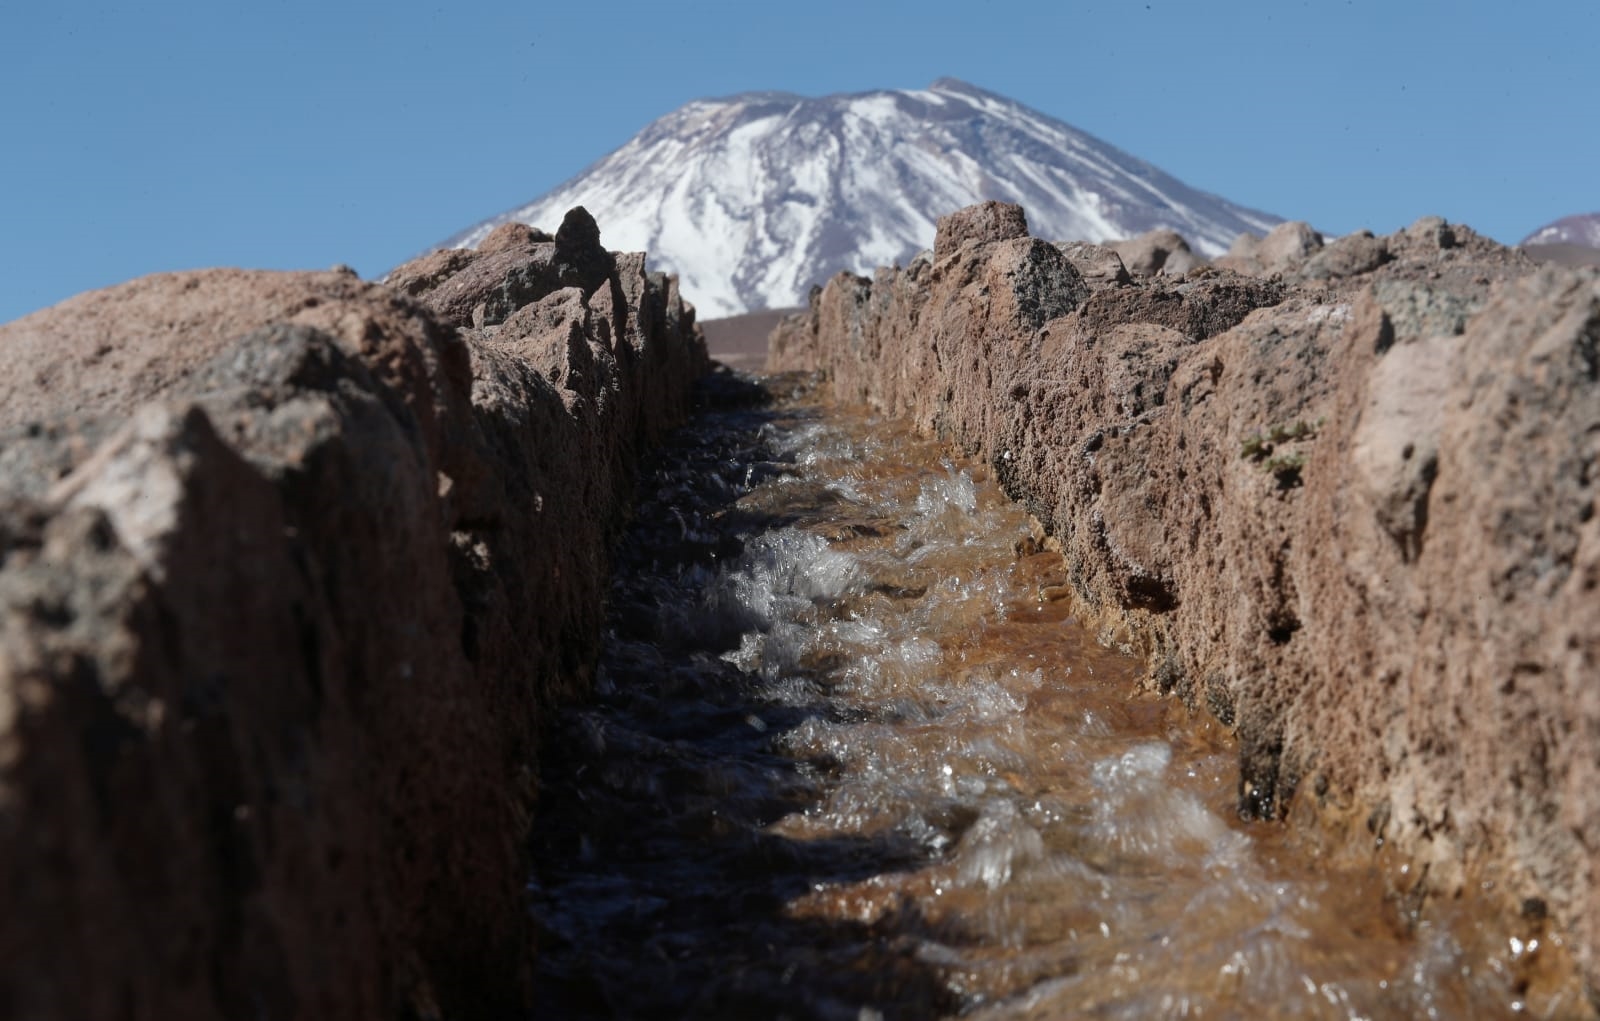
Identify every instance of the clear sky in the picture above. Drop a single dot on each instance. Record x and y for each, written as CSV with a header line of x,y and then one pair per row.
x,y
291,134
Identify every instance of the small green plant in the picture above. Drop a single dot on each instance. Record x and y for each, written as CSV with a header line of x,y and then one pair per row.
x,y
1262,449
1299,430
1258,447
1255,447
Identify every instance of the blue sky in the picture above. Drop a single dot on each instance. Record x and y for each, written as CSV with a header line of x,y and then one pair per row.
x,y
291,134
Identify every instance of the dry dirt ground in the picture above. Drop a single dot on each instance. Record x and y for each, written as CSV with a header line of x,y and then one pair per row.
x,y
1564,255
740,342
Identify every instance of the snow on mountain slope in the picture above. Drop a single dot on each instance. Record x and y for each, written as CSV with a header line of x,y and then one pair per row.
x,y
754,198
1583,229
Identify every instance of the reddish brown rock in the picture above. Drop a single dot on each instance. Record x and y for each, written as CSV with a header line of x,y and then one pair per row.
x,y
793,344
429,271
511,236
1285,247
1195,308
481,288
1099,265
980,224
1467,555
290,571
1427,235
1349,256
1180,264
1148,254
1354,519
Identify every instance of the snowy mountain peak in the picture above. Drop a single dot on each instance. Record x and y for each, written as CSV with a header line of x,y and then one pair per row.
x,y
753,198
1583,230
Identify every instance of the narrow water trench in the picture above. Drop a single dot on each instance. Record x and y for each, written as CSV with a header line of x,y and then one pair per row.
x,y
848,758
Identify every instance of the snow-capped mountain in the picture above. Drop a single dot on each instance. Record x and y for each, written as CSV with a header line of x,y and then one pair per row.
x,y
754,198
1583,229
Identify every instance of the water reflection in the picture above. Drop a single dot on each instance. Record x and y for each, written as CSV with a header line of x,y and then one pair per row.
x,y
846,762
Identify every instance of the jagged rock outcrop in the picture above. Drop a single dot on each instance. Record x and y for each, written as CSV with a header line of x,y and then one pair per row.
x,y
290,569
979,224
1349,508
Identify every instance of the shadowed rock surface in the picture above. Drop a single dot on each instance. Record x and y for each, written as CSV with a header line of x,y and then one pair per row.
x,y
291,569
1349,508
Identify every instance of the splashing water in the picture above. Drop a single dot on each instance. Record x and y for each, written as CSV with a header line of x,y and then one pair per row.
x,y
847,763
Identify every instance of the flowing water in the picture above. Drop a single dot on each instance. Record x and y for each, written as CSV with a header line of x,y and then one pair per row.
x,y
850,758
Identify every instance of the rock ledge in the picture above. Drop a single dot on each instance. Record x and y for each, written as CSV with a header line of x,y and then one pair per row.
x,y
291,568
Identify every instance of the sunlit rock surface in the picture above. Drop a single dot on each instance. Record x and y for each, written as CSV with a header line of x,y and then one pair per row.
x,y
1350,510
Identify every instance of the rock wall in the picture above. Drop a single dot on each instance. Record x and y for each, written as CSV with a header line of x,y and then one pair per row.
x,y
290,567
1348,506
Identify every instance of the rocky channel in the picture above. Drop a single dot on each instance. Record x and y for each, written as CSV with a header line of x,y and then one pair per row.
x,y
1111,634
853,755
1342,497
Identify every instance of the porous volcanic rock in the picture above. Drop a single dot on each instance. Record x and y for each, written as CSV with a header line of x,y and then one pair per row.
x,y
1286,246
1354,517
1348,256
481,288
982,223
1099,265
290,570
510,236
1156,251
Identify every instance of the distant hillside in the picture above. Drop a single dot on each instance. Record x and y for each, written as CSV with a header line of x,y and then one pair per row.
x,y
740,342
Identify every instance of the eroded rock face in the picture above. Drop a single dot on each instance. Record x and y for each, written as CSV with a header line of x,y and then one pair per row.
x,y
290,569
1349,508
1156,252
1099,265
1287,245
980,224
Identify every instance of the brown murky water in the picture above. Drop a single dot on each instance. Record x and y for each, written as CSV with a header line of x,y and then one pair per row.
x,y
848,760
